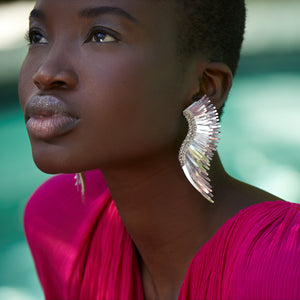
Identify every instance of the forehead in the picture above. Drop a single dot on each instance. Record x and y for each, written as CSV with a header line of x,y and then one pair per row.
x,y
142,11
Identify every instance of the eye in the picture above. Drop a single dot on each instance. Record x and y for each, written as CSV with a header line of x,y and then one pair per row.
x,y
34,36
102,35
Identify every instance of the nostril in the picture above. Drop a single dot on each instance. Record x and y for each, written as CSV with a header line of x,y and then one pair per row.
x,y
37,84
48,83
42,80
51,78
59,82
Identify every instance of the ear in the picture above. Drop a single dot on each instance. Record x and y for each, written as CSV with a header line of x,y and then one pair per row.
x,y
215,82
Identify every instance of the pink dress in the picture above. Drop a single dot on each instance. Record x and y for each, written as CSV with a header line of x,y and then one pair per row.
x,y
82,250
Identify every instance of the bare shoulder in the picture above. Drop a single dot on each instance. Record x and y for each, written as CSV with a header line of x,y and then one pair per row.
x,y
247,195
235,196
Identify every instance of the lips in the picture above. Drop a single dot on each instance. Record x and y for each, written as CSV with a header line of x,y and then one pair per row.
x,y
48,117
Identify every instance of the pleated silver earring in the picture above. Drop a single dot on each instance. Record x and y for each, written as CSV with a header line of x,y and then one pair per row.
x,y
80,183
199,145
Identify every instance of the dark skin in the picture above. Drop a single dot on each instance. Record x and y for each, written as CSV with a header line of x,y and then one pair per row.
x,y
121,76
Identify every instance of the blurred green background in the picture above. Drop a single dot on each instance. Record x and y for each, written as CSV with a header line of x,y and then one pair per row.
x,y
260,133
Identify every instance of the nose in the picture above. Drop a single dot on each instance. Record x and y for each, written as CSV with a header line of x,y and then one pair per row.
x,y
55,72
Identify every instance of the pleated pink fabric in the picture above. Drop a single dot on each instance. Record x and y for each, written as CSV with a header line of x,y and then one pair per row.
x,y
82,251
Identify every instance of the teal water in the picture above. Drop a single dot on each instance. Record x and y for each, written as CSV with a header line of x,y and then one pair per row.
x,y
260,140
260,145
19,178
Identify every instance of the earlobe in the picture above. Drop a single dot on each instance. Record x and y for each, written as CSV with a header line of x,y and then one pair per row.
x,y
215,82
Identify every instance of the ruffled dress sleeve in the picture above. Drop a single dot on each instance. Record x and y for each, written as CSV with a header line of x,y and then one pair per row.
x,y
254,256
80,248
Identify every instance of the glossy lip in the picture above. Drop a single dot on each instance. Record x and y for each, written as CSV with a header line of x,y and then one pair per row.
x,y
48,117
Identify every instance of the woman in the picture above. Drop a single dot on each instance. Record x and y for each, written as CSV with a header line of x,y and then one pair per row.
x,y
103,87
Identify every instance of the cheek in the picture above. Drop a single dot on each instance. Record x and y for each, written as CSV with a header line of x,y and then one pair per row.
x,y
131,105
26,87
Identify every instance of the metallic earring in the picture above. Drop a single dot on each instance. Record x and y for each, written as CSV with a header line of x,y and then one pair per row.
x,y
197,149
80,182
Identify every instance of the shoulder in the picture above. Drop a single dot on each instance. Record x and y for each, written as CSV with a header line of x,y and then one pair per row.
x,y
64,185
254,255
273,224
273,216
266,243
61,189
270,211
57,203
59,224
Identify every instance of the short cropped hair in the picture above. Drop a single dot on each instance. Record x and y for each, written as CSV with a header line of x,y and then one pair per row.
x,y
214,28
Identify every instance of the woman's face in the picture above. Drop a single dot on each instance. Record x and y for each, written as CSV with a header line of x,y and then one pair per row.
x,y
102,83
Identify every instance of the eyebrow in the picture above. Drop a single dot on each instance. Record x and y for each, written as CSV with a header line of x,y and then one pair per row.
x,y
92,12
37,14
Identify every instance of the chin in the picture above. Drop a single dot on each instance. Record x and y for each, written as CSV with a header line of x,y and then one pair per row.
x,y
50,167
54,160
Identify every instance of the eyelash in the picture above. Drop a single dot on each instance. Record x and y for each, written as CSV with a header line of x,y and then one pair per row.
x,y
29,36
32,32
105,31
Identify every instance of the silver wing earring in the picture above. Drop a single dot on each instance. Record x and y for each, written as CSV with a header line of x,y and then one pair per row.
x,y
80,183
197,149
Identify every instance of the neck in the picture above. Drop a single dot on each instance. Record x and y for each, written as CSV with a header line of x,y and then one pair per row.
x,y
165,216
